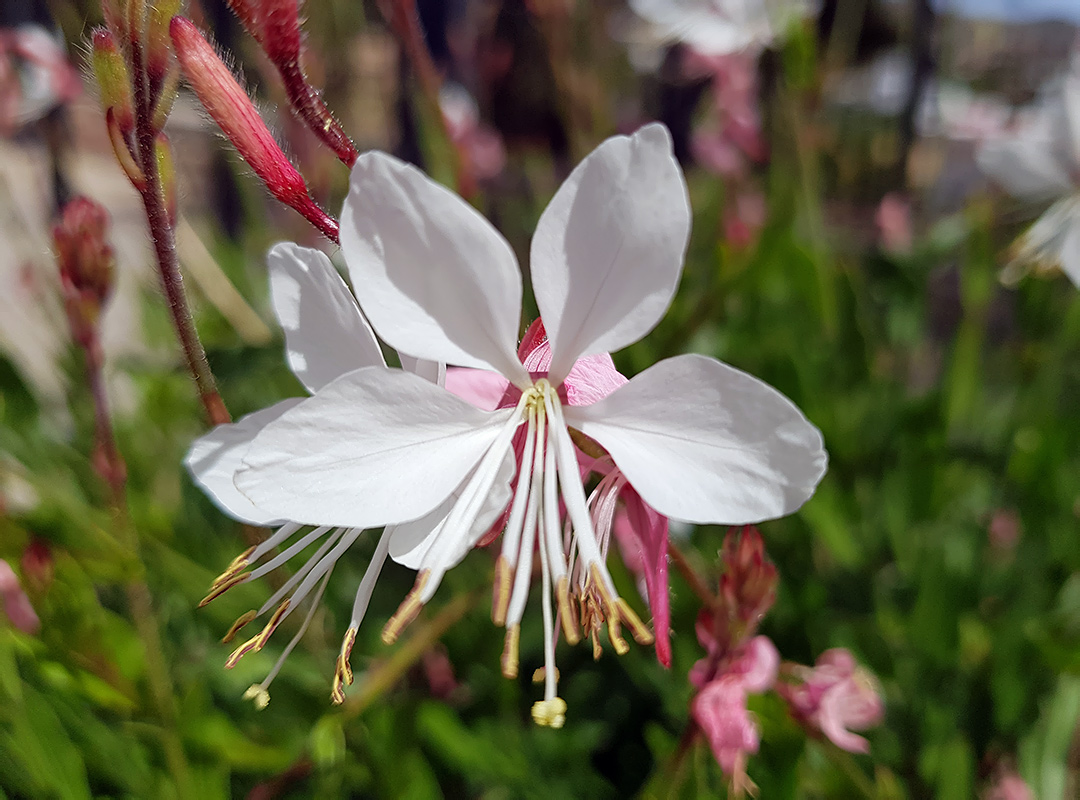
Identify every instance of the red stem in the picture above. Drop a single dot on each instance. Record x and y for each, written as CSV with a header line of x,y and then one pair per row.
x,y
164,240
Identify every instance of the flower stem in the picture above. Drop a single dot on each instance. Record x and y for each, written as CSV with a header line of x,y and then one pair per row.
x,y
112,468
699,587
163,238
310,107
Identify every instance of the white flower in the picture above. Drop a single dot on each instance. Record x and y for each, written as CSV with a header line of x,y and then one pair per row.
x,y
719,27
326,336
698,440
1040,162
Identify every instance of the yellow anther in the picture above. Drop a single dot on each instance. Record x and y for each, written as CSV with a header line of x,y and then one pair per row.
x,y
550,713
407,611
257,693
566,611
223,584
257,643
236,626
509,660
541,673
343,674
500,601
642,635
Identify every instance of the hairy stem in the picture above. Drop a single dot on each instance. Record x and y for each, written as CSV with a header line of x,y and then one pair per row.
x,y
163,238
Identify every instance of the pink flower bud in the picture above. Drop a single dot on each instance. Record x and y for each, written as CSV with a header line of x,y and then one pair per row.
x,y
233,111
748,585
835,697
82,251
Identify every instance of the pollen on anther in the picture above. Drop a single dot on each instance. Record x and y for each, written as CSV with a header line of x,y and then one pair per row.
x,y
407,611
550,713
258,694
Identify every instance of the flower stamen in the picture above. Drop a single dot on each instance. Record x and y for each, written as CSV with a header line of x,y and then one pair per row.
x,y
408,610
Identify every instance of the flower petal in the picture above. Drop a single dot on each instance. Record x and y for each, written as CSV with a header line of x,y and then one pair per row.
x,y
609,248
433,371
651,532
411,541
214,459
1026,164
325,333
376,447
434,277
481,387
703,442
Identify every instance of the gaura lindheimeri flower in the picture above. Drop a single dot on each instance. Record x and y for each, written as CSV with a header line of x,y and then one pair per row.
x,y
835,697
326,336
1040,162
697,440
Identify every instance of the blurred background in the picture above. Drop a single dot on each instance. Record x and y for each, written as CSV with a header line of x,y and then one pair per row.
x,y
848,247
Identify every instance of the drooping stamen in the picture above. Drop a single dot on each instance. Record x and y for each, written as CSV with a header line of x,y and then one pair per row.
x,y
291,551
262,698
407,611
343,673
551,711
256,643
509,660
220,586
240,623
552,540
462,517
303,572
523,571
273,540
507,561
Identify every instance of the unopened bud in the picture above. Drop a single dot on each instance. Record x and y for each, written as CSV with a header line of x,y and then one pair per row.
x,y
158,43
748,585
233,111
167,172
135,12
84,255
113,80
86,263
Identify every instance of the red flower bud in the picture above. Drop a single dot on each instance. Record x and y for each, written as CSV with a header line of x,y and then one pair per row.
x,y
748,585
233,111
86,263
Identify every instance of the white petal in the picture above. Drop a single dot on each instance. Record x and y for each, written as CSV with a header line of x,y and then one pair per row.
x,y
1026,165
377,446
608,249
325,333
214,459
411,540
434,277
703,442
432,371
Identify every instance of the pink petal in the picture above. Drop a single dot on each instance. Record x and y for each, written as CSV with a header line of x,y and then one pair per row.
x,y
651,530
481,387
